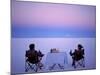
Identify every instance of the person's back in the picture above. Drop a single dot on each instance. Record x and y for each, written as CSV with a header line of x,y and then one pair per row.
x,y
32,56
79,54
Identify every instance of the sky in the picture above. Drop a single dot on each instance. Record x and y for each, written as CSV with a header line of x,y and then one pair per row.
x,y
35,19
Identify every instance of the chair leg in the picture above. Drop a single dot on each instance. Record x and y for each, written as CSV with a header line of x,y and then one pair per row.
x,y
30,65
61,67
36,67
74,63
26,69
74,66
83,62
40,65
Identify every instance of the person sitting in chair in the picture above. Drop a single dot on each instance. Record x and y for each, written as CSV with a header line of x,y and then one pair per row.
x,y
78,54
34,56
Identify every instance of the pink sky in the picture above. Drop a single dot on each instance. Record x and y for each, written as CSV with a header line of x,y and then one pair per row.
x,y
42,14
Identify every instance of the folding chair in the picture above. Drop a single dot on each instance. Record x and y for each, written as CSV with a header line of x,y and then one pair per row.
x,y
34,64
78,59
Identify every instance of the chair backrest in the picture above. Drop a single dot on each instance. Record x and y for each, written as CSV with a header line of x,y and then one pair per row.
x,y
32,56
79,54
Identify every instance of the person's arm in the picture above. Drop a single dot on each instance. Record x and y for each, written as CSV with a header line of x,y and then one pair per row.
x,y
26,54
40,54
71,52
83,52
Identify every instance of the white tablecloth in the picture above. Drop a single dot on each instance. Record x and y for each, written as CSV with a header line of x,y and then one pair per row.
x,y
56,58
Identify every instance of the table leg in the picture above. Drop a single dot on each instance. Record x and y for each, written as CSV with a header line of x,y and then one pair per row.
x,y
61,67
52,67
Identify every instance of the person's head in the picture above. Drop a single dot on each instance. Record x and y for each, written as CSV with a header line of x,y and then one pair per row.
x,y
32,46
80,46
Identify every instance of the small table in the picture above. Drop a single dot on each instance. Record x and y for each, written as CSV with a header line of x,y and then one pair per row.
x,y
54,59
